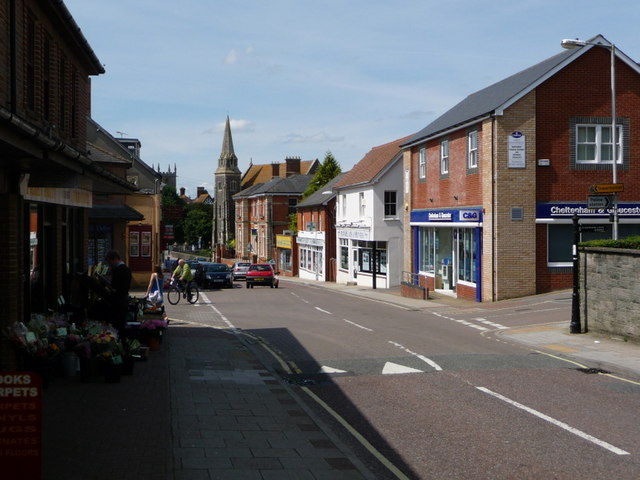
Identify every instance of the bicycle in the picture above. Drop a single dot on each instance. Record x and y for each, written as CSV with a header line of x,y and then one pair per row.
x,y
177,290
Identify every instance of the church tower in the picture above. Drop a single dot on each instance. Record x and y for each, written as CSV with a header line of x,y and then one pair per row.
x,y
227,184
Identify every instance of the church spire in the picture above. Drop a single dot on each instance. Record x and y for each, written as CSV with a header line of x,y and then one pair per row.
x,y
228,160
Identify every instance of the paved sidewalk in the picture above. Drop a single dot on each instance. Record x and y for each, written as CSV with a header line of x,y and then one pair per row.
x,y
203,407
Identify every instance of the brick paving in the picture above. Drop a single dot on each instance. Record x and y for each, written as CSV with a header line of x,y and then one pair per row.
x,y
203,407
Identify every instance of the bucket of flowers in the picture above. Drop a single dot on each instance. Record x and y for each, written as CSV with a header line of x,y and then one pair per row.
x,y
152,330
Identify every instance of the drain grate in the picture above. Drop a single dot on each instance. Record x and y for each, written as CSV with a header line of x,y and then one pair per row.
x,y
592,370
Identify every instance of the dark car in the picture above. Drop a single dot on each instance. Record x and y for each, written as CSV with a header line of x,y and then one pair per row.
x,y
262,274
214,275
240,270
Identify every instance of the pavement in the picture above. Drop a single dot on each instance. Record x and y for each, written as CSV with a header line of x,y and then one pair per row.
x,y
207,405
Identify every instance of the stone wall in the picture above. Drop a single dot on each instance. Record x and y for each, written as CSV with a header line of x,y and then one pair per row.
x,y
610,291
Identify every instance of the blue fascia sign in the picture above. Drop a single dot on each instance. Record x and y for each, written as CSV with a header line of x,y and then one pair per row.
x,y
568,210
473,215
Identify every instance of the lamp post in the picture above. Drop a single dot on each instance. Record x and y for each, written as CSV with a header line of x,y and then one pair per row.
x,y
570,43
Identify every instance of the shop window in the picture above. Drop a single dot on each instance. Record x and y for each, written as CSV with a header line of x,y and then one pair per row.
x,y
426,250
344,254
467,255
366,257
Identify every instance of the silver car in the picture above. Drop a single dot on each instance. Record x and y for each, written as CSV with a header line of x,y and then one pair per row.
x,y
240,270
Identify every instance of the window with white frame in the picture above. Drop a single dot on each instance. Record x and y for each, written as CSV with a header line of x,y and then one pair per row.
x,y
444,157
390,204
422,163
472,149
594,144
344,205
362,204
344,254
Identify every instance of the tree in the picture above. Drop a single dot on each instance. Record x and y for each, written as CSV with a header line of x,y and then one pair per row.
x,y
197,223
328,170
169,197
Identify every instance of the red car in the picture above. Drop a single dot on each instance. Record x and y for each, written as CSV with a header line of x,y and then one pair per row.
x,y
262,274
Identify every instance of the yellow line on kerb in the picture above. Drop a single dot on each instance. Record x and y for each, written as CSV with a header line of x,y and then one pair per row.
x,y
365,443
584,366
292,367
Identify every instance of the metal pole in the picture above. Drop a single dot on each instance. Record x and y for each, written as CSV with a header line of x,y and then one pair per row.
x,y
614,138
574,326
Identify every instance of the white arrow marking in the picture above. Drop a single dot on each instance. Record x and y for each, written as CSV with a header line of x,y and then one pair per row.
x,y
391,368
326,369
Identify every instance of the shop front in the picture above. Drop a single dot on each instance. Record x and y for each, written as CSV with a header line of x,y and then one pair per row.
x,y
448,250
284,255
311,247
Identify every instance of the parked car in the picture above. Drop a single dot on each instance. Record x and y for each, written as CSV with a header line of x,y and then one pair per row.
x,y
209,274
240,270
262,274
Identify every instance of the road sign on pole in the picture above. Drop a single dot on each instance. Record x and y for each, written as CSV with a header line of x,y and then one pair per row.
x,y
607,188
599,201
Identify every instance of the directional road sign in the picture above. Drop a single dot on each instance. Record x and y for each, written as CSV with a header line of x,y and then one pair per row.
x,y
607,188
599,201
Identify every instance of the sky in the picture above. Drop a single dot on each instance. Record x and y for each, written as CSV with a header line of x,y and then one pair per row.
x,y
300,78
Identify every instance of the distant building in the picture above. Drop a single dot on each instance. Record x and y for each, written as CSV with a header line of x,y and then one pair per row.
x,y
226,185
262,209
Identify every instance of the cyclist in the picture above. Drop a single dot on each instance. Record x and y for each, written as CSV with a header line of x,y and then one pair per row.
x,y
183,274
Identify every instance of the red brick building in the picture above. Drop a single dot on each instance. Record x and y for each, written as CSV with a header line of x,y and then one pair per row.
x,y
47,181
263,207
495,181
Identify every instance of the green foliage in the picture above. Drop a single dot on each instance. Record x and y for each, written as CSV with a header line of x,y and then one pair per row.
x,y
198,223
293,223
169,197
328,170
632,243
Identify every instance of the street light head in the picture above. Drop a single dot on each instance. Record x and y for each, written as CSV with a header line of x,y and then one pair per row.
x,y
570,43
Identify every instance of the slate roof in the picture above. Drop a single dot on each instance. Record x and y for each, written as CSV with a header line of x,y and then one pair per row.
x,y
495,98
372,164
323,195
293,185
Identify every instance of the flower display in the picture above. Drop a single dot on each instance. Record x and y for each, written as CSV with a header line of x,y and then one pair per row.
x,y
154,324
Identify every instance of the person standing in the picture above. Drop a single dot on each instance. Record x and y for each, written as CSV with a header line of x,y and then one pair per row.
x,y
119,290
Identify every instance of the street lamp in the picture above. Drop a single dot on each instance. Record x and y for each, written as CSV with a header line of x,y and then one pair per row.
x,y
570,43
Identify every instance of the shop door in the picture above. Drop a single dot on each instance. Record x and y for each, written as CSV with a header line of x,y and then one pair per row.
x,y
140,248
444,257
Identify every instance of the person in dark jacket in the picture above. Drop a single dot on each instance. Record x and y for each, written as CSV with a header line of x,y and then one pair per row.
x,y
119,290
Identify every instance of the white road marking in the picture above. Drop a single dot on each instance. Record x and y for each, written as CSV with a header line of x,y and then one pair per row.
x,y
358,325
323,311
326,369
391,368
421,357
492,324
557,423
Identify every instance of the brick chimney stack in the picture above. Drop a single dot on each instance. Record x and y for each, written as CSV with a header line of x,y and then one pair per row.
x,y
201,191
182,190
293,166
275,170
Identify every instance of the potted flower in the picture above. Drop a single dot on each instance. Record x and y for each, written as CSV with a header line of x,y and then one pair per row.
x,y
152,330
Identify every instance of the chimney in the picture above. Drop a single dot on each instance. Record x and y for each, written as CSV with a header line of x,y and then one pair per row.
x,y
182,190
275,170
293,166
201,191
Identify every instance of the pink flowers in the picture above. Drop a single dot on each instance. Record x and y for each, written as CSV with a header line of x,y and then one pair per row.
x,y
154,324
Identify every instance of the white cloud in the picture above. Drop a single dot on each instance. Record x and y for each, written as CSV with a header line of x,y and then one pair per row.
x,y
232,57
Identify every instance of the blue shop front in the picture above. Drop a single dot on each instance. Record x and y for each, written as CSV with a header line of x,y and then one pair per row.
x,y
448,246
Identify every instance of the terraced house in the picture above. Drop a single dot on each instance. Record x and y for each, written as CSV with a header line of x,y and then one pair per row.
x,y
492,185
